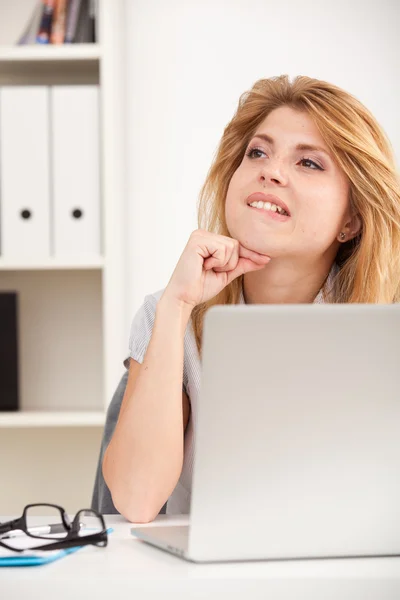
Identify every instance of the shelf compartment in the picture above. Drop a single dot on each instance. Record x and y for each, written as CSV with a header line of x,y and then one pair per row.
x,y
60,340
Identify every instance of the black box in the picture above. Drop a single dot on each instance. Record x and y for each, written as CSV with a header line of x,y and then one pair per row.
x,y
9,392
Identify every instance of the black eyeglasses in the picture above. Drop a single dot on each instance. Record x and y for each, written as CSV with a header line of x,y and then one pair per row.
x,y
87,527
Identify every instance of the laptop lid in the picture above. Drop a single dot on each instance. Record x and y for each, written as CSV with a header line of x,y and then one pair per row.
x,y
297,445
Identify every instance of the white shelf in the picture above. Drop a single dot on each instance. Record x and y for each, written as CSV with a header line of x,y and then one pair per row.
x,y
74,306
52,419
50,263
39,52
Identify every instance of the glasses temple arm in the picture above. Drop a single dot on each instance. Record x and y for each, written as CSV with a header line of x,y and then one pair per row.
x,y
9,526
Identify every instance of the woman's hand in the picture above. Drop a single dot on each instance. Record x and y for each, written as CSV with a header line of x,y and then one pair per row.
x,y
209,262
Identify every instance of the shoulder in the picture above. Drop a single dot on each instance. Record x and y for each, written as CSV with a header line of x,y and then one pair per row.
x,y
142,326
151,300
154,297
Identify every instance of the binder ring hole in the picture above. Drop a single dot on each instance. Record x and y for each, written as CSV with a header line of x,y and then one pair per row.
x,y
26,214
77,213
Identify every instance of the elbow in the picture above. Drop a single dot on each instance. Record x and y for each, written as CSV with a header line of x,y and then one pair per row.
x,y
133,511
136,507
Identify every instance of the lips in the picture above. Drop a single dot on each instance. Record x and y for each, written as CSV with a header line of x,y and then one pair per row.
x,y
257,196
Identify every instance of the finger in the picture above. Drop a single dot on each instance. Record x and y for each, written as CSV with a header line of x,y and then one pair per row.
x,y
233,251
214,253
254,256
226,260
212,263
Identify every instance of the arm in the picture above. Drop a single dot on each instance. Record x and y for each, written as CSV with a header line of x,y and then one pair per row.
x,y
143,461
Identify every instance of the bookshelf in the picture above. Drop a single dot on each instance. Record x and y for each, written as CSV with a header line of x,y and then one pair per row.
x,y
50,263
71,331
51,53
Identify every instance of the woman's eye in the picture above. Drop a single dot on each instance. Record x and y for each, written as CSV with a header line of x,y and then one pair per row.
x,y
308,160
315,166
250,154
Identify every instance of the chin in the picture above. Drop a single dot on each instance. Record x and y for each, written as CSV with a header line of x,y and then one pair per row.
x,y
255,242
254,238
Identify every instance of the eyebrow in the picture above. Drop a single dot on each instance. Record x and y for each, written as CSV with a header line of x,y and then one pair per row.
x,y
271,141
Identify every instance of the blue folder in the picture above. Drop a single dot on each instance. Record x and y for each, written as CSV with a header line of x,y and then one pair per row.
x,y
32,560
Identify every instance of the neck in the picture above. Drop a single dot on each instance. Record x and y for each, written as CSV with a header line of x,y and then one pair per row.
x,y
286,281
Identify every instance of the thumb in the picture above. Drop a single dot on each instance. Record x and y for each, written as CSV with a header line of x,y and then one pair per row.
x,y
245,265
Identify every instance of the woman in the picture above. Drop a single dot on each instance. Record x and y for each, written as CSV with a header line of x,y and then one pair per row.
x,y
301,205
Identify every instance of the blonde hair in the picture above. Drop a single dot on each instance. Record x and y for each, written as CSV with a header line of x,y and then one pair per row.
x,y
369,265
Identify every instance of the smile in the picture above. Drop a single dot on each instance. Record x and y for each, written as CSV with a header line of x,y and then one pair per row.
x,y
269,207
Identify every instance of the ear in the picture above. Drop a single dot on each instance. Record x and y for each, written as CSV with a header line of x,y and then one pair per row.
x,y
350,229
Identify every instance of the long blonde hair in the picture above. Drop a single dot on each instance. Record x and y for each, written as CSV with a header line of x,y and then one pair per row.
x,y
369,265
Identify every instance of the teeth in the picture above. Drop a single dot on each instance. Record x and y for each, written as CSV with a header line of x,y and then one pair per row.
x,y
268,206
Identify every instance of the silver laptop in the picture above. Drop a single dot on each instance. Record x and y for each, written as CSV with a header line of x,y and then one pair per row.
x,y
298,436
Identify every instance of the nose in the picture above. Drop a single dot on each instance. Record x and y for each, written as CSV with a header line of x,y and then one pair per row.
x,y
273,171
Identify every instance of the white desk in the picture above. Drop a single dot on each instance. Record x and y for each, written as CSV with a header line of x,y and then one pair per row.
x,y
133,570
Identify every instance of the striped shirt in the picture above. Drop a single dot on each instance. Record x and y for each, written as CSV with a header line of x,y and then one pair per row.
x,y
141,330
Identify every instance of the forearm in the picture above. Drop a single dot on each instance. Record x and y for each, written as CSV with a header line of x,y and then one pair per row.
x,y
144,459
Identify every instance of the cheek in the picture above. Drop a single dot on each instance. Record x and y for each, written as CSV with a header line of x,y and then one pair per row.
x,y
232,216
233,196
235,183
320,221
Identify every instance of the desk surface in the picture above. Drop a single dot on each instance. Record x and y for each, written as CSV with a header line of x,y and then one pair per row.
x,y
134,570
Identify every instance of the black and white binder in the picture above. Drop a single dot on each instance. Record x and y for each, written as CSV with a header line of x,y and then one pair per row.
x,y
25,172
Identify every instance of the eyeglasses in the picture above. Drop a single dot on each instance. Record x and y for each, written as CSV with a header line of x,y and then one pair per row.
x,y
87,527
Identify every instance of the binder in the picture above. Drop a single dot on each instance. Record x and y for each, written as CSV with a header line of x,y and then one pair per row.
x,y
76,170
9,379
24,172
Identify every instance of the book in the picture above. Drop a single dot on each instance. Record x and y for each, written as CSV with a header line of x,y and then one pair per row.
x,y
58,23
43,36
73,10
62,22
93,21
83,28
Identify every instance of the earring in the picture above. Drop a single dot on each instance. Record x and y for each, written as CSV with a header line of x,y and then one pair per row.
x,y
342,235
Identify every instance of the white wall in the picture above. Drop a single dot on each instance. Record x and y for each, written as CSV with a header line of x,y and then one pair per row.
x,y
56,465
13,19
187,64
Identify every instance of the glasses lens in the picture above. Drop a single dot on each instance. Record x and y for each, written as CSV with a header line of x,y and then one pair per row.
x,y
90,523
51,527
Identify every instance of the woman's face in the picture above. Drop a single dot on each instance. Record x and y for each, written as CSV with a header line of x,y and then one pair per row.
x,y
307,181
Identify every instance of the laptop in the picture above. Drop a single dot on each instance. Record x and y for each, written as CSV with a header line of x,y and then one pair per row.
x,y
297,450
